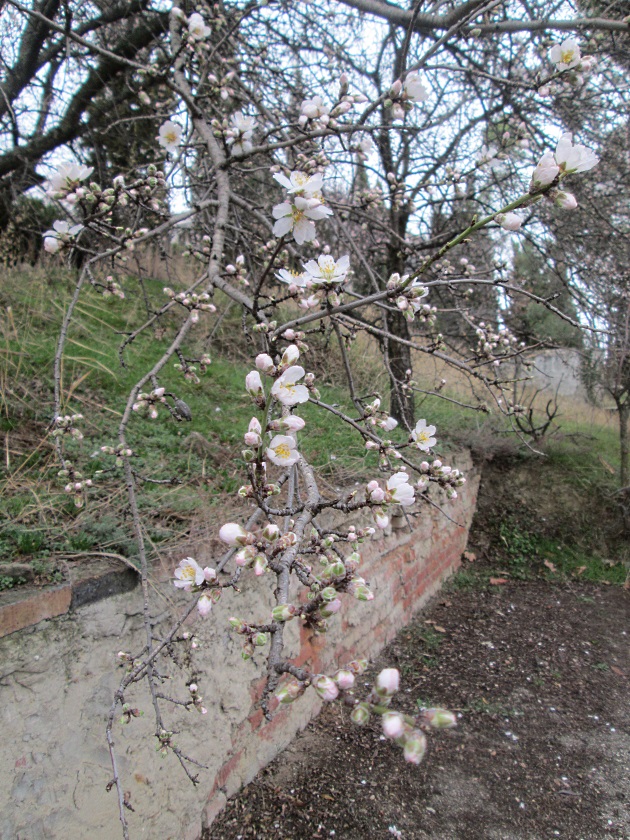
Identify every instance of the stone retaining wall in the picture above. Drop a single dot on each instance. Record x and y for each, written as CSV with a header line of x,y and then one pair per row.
x,y
58,676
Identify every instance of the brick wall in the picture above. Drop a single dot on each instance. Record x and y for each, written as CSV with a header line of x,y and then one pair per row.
x,y
58,677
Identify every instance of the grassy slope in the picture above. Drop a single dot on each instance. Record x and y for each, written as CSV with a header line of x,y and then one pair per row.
x,y
38,520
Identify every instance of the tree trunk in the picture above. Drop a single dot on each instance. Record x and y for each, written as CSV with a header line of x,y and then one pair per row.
x,y
623,408
399,357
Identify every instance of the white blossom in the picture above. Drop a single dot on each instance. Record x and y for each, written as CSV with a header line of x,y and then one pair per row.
x,y
240,134
422,436
565,55
399,490
414,90
188,574
170,135
546,170
300,183
197,28
299,217
66,177
60,235
313,109
572,158
282,451
293,278
326,270
285,389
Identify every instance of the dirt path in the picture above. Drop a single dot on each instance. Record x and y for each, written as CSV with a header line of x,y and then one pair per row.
x,y
539,675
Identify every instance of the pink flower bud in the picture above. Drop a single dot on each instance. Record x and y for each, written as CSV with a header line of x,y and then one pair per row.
x,y
332,607
204,605
326,688
209,574
260,565
245,556
265,363
377,496
233,534
387,682
344,679
271,532
252,439
290,692
393,725
381,520
253,383
395,88
193,688
509,221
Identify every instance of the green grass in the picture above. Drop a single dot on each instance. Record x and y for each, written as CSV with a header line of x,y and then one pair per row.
x,y
36,516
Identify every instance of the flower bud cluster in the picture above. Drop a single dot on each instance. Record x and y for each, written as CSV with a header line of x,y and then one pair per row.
x,y
449,478
253,636
403,95
65,425
492,344
147,403
76,485
193,302
237,271
373,416
120,451
196,698
112,288
409,299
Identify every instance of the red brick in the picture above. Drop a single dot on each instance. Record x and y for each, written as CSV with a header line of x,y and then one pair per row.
x,y
31,608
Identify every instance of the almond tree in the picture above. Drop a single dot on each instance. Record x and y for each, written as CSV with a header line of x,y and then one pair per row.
x,y
265,138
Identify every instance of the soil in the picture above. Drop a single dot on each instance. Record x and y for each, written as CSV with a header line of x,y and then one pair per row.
x,y
538,674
